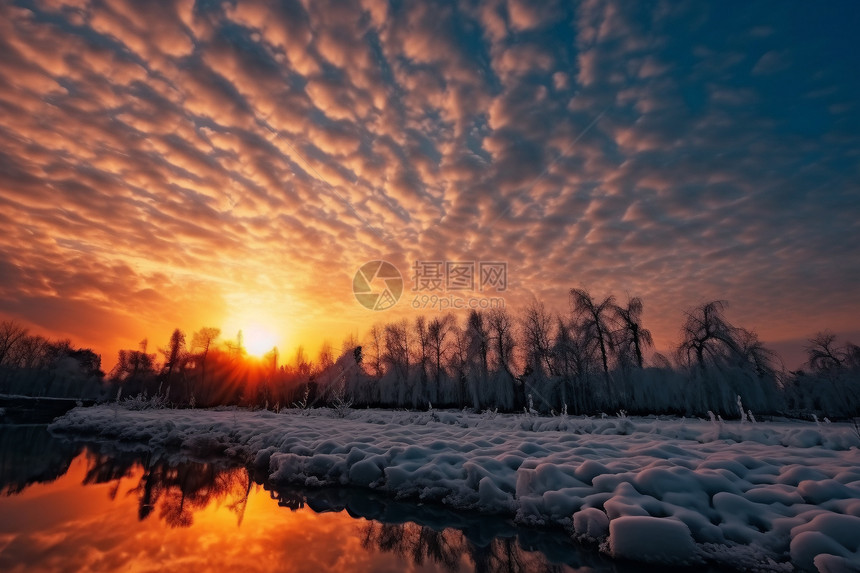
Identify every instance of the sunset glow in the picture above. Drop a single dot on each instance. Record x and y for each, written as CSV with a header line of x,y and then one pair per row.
x,y
258,340
175,167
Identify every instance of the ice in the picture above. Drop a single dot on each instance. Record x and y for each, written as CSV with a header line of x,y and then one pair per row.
x,y
767,495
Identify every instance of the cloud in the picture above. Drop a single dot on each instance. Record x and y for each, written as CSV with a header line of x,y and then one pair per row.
x,y
185,165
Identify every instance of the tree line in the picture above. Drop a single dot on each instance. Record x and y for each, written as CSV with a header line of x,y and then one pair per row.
x,y
595,357
32,365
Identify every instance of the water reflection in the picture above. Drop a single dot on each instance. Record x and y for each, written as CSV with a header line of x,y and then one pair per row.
x,y
29,455
433,534
176,489
105,507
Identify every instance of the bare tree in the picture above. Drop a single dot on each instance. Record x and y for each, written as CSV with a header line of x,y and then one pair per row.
x,y
325,358
479,340
501,332
375,355
632,335
29,352
458,362
11,333
707,337
765,361
397,349
437,332
822,353
202,340
596,320
422,358
135,369
537,325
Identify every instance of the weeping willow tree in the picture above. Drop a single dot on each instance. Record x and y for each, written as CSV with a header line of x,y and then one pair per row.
x,y
727,361
631,336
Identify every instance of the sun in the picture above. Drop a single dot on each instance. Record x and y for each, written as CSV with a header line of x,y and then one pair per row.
x,y
258,340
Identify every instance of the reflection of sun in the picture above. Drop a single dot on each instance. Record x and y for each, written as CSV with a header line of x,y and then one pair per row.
x,y
258,340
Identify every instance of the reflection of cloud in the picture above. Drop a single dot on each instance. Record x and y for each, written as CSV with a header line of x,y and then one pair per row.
x,y
157,164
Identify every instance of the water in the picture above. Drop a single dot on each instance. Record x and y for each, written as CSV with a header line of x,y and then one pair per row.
x,y
114,507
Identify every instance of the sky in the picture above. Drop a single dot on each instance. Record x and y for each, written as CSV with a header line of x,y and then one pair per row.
x,y
233,164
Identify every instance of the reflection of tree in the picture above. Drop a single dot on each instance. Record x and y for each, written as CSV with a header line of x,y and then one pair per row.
x,y
289,499
29,454
445,547
176,489
190,487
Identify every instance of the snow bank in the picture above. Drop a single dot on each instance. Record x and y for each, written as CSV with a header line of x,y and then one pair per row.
x,y
652,539
763,496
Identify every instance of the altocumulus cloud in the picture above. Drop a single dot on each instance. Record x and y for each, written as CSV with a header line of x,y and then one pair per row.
x,y
163,163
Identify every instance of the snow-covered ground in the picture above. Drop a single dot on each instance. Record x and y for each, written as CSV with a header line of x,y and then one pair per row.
x,y
763,496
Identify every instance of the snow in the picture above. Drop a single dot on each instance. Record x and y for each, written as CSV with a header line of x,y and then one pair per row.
x,y
765,495
651,539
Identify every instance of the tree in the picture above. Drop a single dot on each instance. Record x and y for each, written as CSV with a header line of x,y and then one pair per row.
x,y
437,332
595,320
501,333
537,325
174,354
325,359
753,352
11,333
135,369
375,355
822,353
202,341
397,350
478,341
422,357
707,337
631,335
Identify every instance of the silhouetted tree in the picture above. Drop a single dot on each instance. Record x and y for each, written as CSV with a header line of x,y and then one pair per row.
x,y
174,355
11,333
595,321
134,370
374,359
478,339
397,358
707,337
822,353
632,335
437,334
202,342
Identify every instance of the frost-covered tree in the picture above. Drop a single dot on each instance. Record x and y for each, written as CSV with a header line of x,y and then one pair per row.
x,y
540,373
631,336
728,361
707,338
478,339
437,335
595,322
397,358
374,345
595,319
537,326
